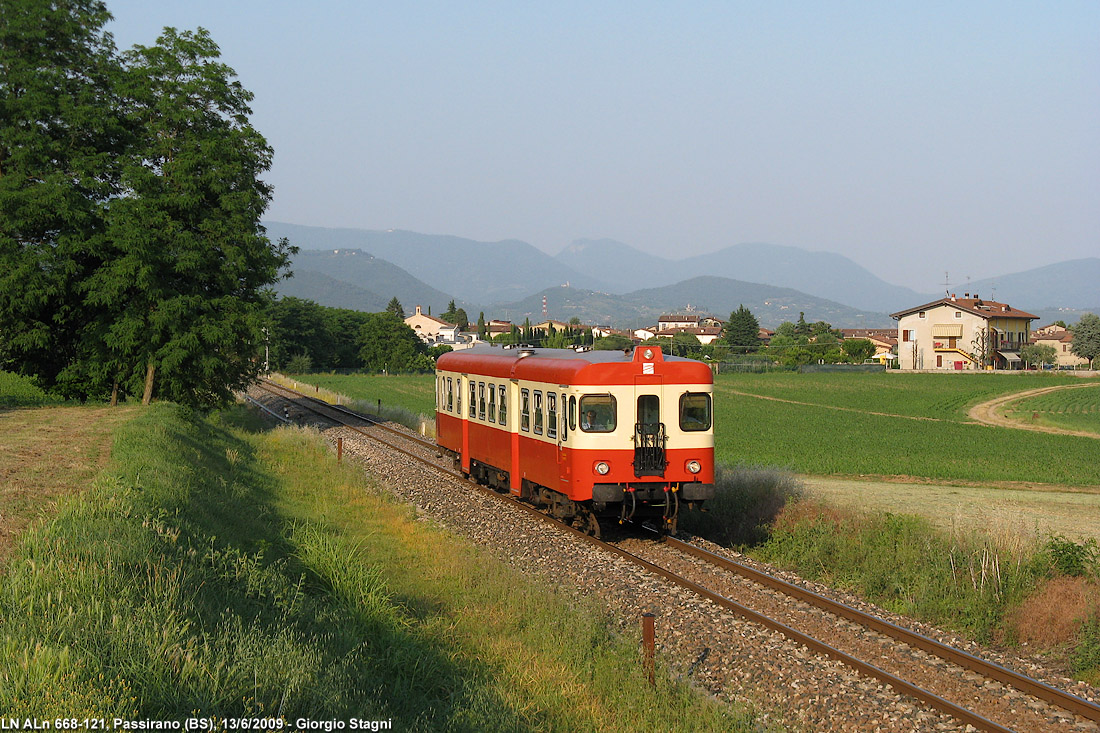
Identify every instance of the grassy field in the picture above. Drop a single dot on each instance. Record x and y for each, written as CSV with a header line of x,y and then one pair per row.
x,y
412,392
875,424
1070,409
217,569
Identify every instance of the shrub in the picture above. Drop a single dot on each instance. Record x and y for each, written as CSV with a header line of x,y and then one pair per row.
x,y
1072,558
1086,657
747,499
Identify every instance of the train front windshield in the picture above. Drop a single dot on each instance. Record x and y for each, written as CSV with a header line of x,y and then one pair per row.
x,y
694,411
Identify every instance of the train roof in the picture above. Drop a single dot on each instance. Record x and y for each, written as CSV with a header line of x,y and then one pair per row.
x,y
567,366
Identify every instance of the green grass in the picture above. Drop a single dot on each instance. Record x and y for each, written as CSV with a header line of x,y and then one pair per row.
x,y
1071,409
219,570
940,396
836,432
817,440
412,392
18,391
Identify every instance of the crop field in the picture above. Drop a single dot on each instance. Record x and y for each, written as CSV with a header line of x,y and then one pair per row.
x,y
912,425
1074,409
891,425
941,396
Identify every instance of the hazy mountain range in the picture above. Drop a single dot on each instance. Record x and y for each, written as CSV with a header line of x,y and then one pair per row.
x,y
611,283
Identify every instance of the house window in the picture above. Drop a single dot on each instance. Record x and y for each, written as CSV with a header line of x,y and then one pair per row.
x,y
907,335
492,403
958,314
922,314
525,410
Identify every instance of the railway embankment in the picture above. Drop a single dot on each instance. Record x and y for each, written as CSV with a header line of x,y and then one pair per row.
x,y
219,566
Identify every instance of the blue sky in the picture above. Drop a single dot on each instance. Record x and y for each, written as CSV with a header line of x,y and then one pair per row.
x,y
958,136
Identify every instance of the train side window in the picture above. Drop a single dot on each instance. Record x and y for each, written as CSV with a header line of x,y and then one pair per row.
x,y
503,408
525,410
450,395
538,412
481,400
551,415
492,403
598,413
694,411
572,412
473,398
564,422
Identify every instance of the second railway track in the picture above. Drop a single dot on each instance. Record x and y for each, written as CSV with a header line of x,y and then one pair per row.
x,y
956,684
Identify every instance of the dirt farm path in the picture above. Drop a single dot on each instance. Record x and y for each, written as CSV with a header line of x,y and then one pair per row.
x,y
989,412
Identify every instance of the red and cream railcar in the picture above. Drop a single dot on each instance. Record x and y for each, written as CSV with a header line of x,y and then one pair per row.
x,y
591,435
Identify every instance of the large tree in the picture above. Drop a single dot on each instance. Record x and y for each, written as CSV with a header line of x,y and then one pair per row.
x,y
61,131
387,344
187,266
743,330
1086,338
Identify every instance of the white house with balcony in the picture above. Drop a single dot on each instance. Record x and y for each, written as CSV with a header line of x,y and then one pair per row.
x,y
962,333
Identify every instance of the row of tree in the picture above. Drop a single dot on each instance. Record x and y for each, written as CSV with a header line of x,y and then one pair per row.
x,y
132,259
304,336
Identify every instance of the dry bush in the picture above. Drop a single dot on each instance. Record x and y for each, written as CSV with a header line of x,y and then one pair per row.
x,y
1054,614
812,511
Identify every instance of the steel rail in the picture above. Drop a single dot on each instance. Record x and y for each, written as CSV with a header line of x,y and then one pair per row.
x,y
268,384
1033,687
933,700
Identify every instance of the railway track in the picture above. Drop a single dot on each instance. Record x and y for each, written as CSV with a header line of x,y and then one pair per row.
x,y
963,686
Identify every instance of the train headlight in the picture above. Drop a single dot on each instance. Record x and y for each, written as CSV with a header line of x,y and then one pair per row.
x,y
694,466
602,468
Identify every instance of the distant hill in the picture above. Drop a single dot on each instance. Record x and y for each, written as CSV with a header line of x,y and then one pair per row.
x,y
334,293
717,295
432,269
824,274
620,267
483,272
340,278
1070,316
1069,284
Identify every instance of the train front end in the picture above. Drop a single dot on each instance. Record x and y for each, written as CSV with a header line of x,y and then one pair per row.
x,y
644,447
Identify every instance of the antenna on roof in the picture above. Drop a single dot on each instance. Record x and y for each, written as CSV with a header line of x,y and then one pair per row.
x,y
946,283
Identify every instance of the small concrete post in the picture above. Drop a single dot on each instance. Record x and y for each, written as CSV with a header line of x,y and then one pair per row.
x,y
648,648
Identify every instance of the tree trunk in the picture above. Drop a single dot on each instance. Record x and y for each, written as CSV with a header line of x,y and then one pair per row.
x,y
148,396
114,394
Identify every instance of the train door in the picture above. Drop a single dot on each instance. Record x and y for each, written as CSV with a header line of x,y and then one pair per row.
x,y
650,436
513,421
462,382
565,472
